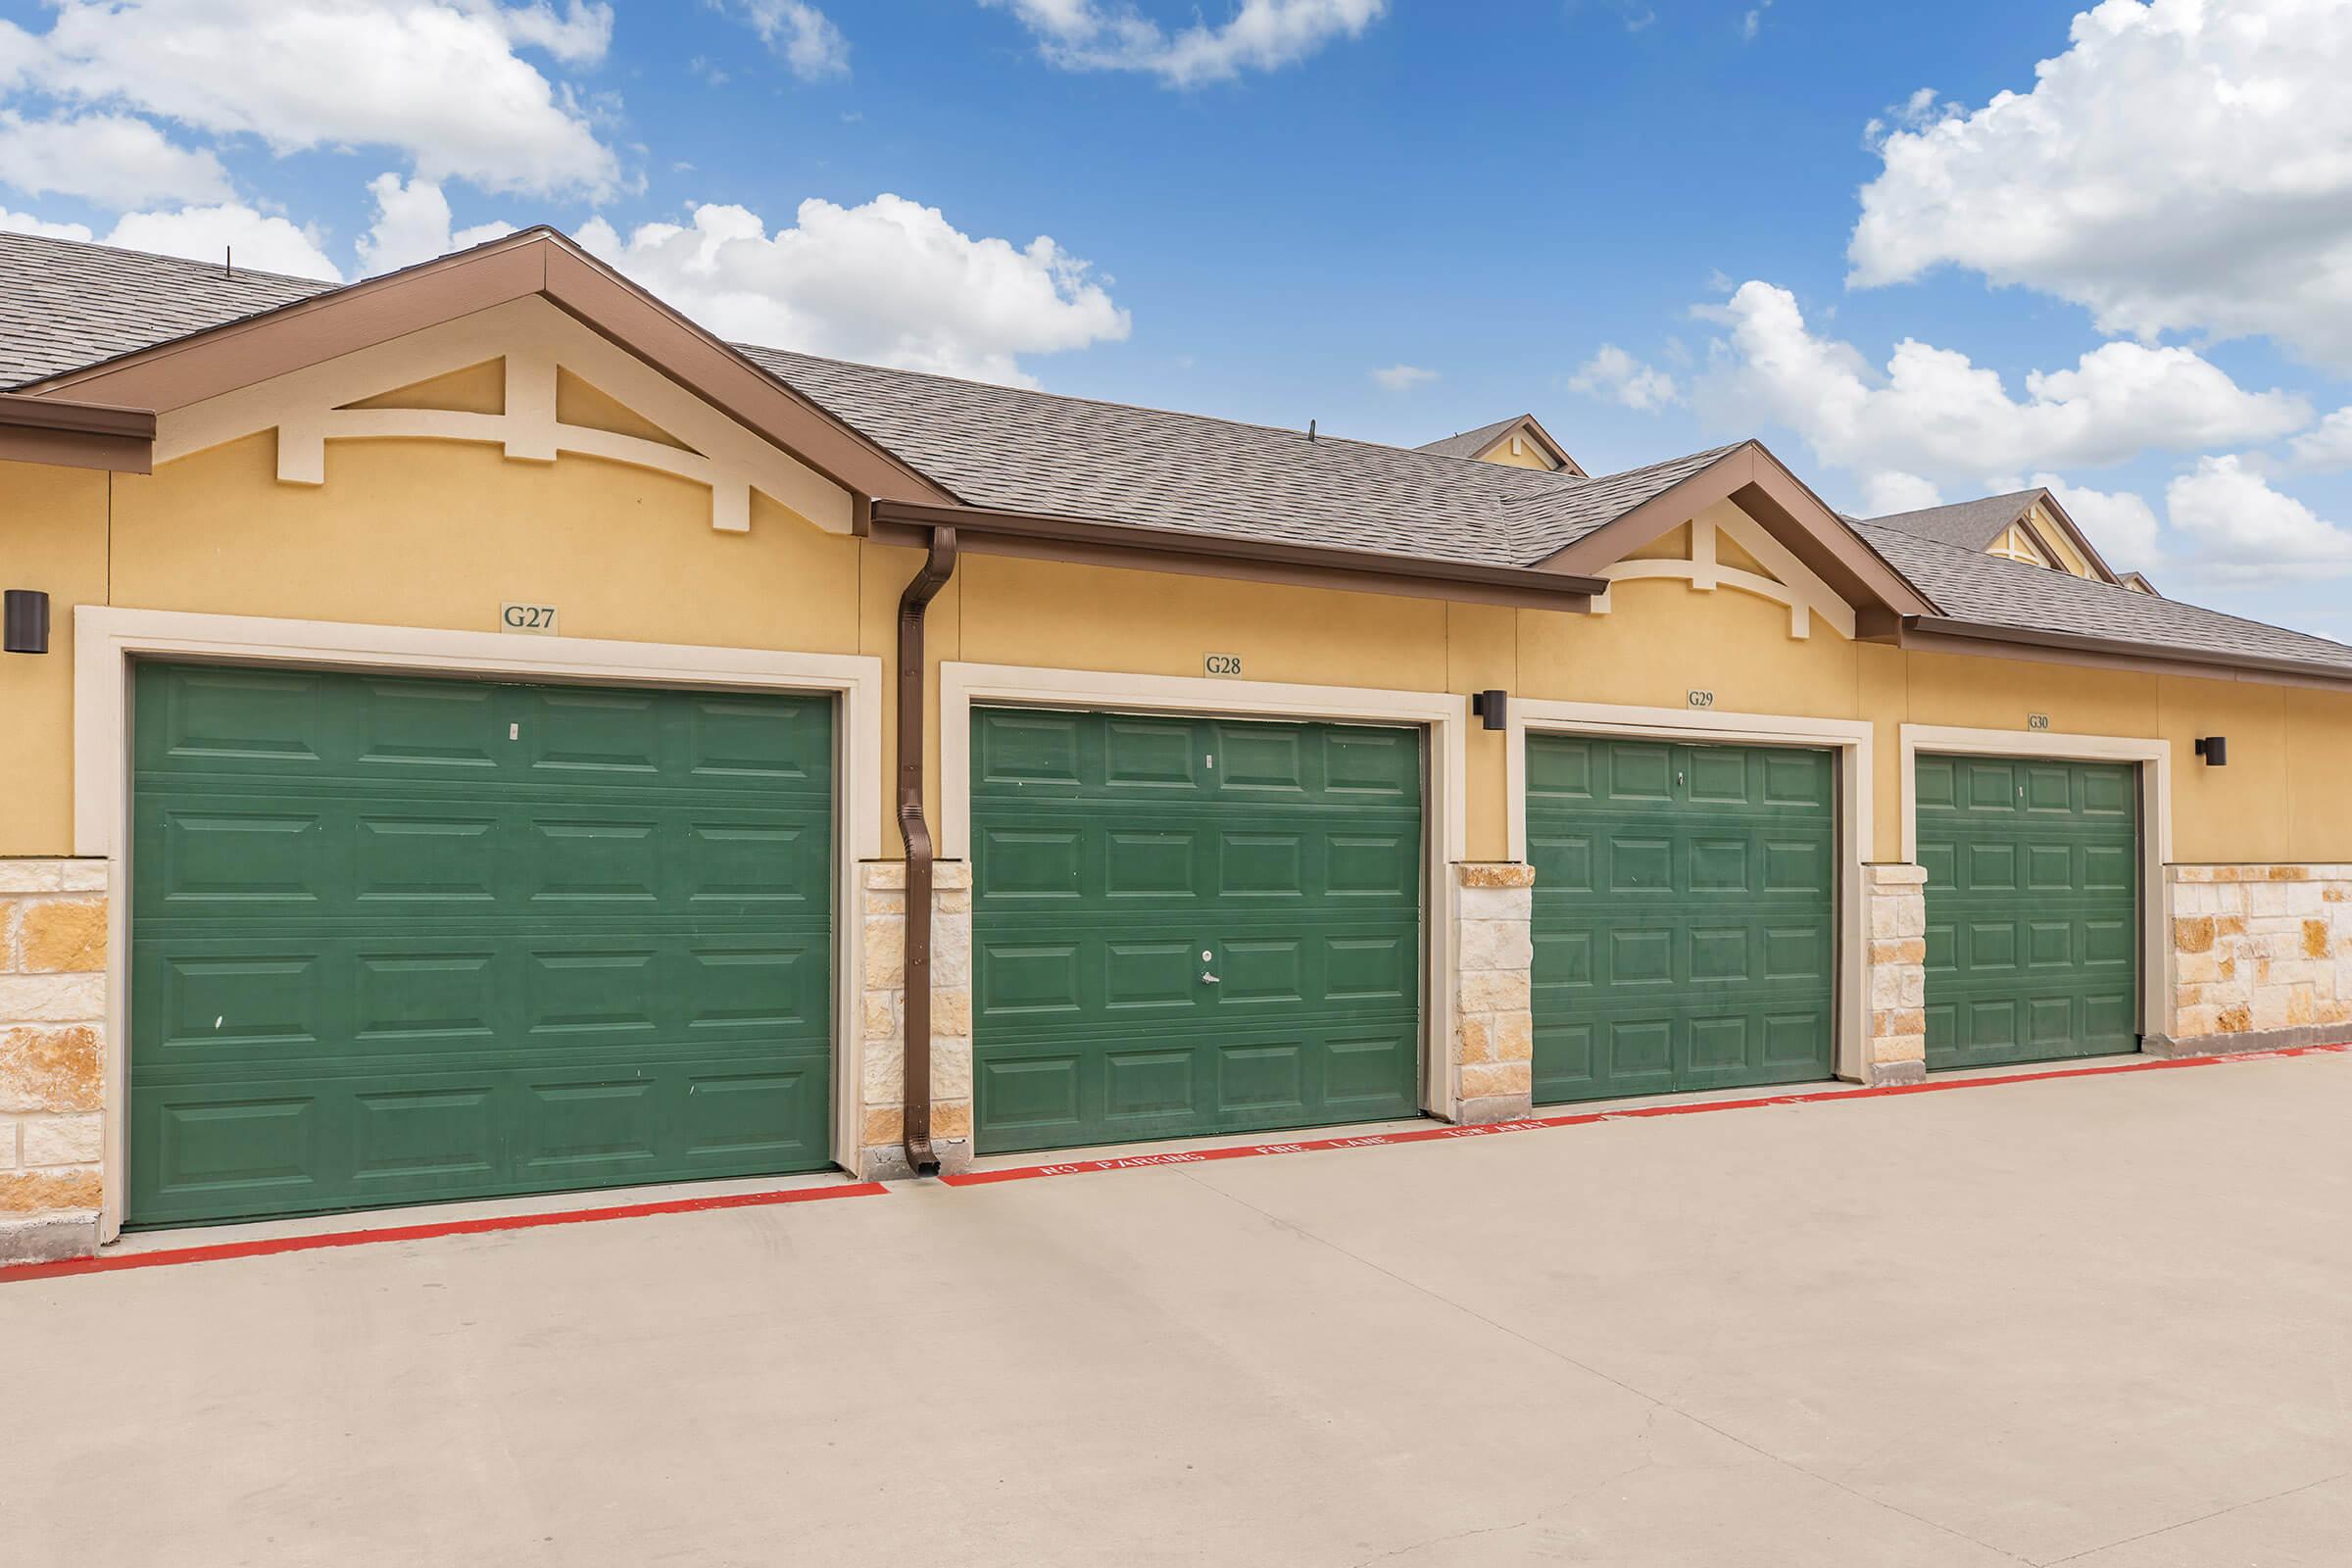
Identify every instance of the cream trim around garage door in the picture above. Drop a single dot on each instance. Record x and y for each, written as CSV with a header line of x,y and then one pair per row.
x,y
1852,739
2155,759
1444,715
107,641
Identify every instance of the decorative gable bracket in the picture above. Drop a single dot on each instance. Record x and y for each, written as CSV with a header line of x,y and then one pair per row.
x,y
308,408
1791,584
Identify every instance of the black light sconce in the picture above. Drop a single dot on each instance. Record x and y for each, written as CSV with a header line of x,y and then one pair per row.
x,y
2215,749
24,621
1491,707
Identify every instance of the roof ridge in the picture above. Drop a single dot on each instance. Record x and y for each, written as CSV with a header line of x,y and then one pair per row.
x,y
1320,438
2044,574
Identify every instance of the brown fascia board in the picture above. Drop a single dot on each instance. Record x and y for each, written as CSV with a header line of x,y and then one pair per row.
x,y
75,435
537,260
1944,634
1085,542
1766,490
2074,533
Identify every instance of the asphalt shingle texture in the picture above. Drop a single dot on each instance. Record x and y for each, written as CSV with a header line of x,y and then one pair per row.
x,y
1969,585
65,304
1033,452
1970,524
1469,443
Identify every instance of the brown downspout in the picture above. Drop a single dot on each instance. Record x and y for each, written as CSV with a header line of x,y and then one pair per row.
x,y
916,1127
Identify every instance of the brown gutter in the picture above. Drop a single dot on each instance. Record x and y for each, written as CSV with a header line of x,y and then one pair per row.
x,y
991,531
75,435
921,589
1924,631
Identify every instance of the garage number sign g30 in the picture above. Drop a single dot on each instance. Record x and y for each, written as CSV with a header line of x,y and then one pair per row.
x,y
539,619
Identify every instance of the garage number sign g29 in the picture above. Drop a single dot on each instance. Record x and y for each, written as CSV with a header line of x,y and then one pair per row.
x,y
538,619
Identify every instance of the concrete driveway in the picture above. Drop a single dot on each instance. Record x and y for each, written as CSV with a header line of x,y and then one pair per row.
x,y
2104,1321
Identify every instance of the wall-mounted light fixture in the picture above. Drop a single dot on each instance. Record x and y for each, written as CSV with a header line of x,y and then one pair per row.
x,y
24,621
2215,749
1492,708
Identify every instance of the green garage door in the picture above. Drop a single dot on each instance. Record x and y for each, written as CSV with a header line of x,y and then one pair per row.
x,y
1187,926
1685,915
2032,908
396,941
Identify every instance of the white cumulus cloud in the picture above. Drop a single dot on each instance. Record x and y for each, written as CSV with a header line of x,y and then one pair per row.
x,y
16,223
2328,445
1259,36
440,81
1616,376
1891,490
2120,524
1934,413
114,159
413,225
1402,377
810,44
2184,165
2243,529
262,241
891,282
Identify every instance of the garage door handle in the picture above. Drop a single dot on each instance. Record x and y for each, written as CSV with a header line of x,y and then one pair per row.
x,y
1209,979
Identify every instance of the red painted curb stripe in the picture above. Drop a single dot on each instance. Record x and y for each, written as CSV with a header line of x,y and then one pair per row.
x,y
114,1264
1423,1135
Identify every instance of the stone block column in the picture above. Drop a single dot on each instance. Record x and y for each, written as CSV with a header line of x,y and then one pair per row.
x,y
1897,980
1494,1028
881,1076
53,916
2261,959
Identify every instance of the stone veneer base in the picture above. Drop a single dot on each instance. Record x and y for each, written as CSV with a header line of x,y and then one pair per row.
x,y
2230,1045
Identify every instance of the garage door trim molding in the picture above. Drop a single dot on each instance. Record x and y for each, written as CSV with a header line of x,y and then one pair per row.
x,y
108,641
1446,715
2155,759
1850,739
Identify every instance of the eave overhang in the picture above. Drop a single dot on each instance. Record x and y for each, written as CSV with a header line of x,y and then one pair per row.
x,y
1090,542
73,434
1937,633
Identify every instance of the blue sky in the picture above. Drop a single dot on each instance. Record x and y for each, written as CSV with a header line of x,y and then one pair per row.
x,y
1255,205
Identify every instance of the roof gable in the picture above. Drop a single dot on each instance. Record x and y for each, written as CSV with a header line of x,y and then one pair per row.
x,y
1484,444
323,326
1788,514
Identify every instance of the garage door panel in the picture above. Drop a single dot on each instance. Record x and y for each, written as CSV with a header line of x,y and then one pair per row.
x,y
1151,975
2036,947
1711,957
1289,853
1372,866
631,891
1798,953
1564,959
1372,765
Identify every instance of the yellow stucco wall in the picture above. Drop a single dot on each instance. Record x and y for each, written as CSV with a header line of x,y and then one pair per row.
x,y
1531,454
53,537
439,534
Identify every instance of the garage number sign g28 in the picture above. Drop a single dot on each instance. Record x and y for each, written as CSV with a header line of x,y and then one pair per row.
x,y
539,619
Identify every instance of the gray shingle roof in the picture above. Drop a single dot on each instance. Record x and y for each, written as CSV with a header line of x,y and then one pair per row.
x,y
1970,524
1967,585
1034,452
65,304
1470,443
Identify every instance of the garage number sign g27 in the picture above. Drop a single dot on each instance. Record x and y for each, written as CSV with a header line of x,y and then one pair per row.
x,y
539,619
